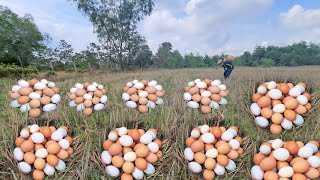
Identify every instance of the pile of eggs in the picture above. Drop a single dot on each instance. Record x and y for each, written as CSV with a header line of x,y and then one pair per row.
x,y
42,150
280,104
206,94
87,97
33,96
143,95
213,149
131,152
287,160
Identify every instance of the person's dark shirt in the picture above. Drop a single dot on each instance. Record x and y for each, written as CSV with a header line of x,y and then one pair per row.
x,y
227,64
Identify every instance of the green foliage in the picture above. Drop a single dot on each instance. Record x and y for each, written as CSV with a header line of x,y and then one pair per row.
x,y
12,70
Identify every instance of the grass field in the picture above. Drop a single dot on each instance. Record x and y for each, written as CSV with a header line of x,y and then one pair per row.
x,y
174,119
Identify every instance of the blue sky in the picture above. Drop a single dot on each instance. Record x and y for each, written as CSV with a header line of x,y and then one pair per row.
x,y
199,26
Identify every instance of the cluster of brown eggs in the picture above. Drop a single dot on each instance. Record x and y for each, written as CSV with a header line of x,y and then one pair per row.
x,y
131,152
214,149
287,160
143,95
206,94
282,104
43,150
33,96
87,97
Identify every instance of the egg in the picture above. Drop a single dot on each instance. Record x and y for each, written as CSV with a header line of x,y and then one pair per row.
x,y
188,154
199,157
268,164
286,124
212,153
255,109
131,104
256,172
115,149
48,92
39,163
279,108
275,94
219,170
194,167
112,171
61,165
37,137
41,153
207,138
49,107
126,140
53,148
286,172
281,154
18,154
27,146
277,143
301,166
117,161
24,167
130,156
264,101
137,173
275,129
106,157
270,175
52,160
266,112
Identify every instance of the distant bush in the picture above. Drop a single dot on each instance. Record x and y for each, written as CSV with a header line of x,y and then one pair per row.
x,y
12,70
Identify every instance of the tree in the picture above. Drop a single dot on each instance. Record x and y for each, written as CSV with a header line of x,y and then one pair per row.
x,y
115,22
20,39
163,54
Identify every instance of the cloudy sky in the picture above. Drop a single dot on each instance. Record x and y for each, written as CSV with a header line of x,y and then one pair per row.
x,y
199,26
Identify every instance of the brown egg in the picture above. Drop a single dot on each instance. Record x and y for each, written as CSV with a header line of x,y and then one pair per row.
x,y
56,90
80,92
206,101
256,97
222,159
266,112
132,90
187,89
45,100
268,163
300,109
46,131
19,141
224,93
207,81
32,82
104,91
189,141
158,142
142,151
63,154
27,146
283,87
29,157
315,143
87,103
290,115
292,147
290,85
257,158
78,100
298,176
281,164
48,92
208,146
308,106
208,174
141,131
153,90
87,111
95,100
34,113
159,154
275,102
115,149
70,151
239,139
134,133
264,101
38,146
277,118
205,109
216,131
294,160
97,93
34,103
200,157
233,154
275,129
270,175
291,103
143,101
52,160
128,167
194,90
312,173
210,163
218,143
224,148
53,148
215,97
23,99
24,91
39,163
15,95
301,166
125,89
38,174
306,94
152,158
134,98
143,109
153,97
197,146
117,161
214,89
196,97
160,93
141,163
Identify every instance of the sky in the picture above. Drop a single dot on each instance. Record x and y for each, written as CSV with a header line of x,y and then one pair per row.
x,y
198,26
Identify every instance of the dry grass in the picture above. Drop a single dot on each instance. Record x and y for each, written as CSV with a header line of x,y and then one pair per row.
x,y
173,120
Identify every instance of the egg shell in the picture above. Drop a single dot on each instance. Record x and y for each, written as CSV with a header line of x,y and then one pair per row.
x,y
49,107
150,169
314,161
286,172
146,139
257,173
281,154
115,149
57,136
39,86
18,154
130,156
37,137
195,167
24,167
137,173
208,138
275,94
41,153
49,170
125,96
261,121
255,109
112,171
131,104
98,107
214,105
106,157
231,165
219,170
126,140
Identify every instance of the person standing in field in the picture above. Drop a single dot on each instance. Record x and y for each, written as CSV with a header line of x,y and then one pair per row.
x,y
227,65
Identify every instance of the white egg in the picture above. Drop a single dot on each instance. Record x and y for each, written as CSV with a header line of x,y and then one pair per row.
x,y
212,153
122,131
24,167
51,84
314,161
129,156
214,105
137,173
113,136
139,85
302,89
195,134
56,98
41,153
39,86
104,99
231,165
146,138
216,82
153,147
49,170
223,101
313,147
125,96
152,83
112,171
151,104
61,165
158,87
295,92
279,108
265,149
206,94
187,96
201,85
129,84
63,131
207,138
15,88
87,96
234,144
222,87
256,173
73,90
219,170
126,140
193,104
95,84
262,90
78,86
91,88
57,135
18,154
191,83
100,86
286,172
25,108
159,101
64,144
106,157
131,104
277,143
23,83
226,136
37,137
152,134
24,133
150,169
204,128
299,120
281,154
275,94
135,81
261,121
15,104
255,109
98,107
49,107
305,152
44,81
34,95
188,154
194,167
303,100
197,81
80,107
143,94
34,128
286,124
272,85
233,131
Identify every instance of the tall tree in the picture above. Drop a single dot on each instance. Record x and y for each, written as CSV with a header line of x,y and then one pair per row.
x,y
115,22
